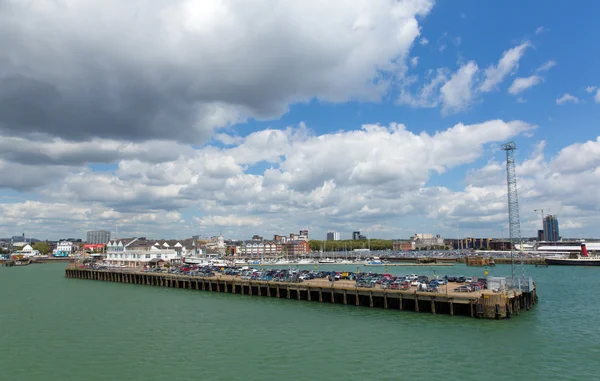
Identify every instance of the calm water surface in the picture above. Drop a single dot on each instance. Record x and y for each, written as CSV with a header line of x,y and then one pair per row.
x,y
53,328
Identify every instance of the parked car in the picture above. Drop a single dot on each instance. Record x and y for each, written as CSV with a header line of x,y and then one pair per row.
x,y
464,288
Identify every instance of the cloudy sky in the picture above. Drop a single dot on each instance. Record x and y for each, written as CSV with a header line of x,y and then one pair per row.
x,y
171,118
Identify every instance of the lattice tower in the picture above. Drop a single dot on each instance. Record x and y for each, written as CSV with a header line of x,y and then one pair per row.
x,y
514,222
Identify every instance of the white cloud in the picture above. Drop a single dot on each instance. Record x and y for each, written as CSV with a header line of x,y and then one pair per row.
x,y
457,93
521,100
429,94
567,98
597,97
305,183
590,89
414,61
547,66
177,70
509,61
228,220
423,41
521,84
540,29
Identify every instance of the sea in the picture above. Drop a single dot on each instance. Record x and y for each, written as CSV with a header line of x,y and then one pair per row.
x,y
54,328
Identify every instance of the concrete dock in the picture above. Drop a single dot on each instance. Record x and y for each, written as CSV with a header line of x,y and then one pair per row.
x,y
481,304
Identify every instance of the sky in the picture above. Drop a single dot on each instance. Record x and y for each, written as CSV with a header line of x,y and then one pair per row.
x,y
175,118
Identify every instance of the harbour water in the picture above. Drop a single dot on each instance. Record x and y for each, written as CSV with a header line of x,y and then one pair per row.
x,y
54,328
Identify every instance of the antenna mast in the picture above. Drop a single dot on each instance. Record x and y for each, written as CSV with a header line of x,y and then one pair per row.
x,y
514,222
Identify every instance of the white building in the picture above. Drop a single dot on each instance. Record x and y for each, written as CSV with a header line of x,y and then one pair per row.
x,y
27,251
334,236
64,247
141,258
119,254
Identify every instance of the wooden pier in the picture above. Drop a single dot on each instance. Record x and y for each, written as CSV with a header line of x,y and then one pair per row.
x,y
480,304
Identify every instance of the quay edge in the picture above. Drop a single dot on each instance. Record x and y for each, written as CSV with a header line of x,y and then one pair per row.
x,y
487,306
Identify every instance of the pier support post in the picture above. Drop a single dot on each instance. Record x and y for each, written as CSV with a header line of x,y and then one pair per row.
x,y
277,291
259,289
357,300
298,292
210,285
432,306
218,286
332,296
385,304
400,302
416,303
320,295
268,290
345,297
472,308
287,295
308,297
371,299
451,308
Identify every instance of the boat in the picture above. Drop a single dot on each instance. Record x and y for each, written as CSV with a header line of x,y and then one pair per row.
x,y
376,261
583,258
205,261
306,262
327,261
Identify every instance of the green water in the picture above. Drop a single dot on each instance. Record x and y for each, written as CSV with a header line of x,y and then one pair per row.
x,y
53,328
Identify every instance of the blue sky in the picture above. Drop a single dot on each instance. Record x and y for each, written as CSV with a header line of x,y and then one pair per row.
x,y
267,124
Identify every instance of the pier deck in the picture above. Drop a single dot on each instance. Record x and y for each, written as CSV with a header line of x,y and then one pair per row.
x,y
481,304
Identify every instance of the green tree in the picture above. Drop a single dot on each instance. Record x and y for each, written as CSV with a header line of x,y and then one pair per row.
x,y
42,247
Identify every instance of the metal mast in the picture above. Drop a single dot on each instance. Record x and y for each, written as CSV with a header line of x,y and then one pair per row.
x,y
514,222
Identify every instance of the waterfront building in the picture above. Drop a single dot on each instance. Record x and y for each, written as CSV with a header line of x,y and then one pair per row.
x,y
427,240
63,247
97,236
479,244
140,258
296,248
333,236
403,245
551,232
258,249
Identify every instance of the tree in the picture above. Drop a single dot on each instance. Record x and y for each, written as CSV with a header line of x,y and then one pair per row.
x,y
42,247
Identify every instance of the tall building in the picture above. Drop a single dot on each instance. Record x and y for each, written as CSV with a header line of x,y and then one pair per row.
x,y
551,232
333,236
355,236
540,236
97,237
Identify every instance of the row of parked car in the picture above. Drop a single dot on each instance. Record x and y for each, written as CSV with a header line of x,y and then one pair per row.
x,y
363,280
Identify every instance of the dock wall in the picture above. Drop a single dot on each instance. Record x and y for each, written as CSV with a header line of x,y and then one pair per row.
x,y
488,306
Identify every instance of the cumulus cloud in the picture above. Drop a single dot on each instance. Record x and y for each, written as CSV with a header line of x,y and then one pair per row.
x,y
590,89
521,84
567,98
597,97
177,70
317,181
509,61
457,93
229,220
